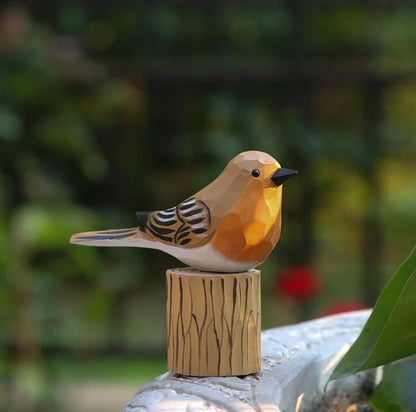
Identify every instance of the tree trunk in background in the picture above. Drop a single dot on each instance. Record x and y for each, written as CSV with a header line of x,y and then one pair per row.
x,y
302,91
372,238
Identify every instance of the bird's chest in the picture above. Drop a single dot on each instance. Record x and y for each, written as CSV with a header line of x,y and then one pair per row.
x,y
250,230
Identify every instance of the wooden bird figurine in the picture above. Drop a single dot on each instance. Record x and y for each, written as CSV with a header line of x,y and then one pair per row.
x,y
231,225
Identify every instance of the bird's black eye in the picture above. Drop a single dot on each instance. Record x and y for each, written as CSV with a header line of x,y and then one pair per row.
x,y
255,172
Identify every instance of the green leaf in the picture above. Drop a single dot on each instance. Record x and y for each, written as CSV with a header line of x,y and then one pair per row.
x,y
396,392
390,332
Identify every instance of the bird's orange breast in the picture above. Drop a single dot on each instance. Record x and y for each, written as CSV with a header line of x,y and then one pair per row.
x,y
251,229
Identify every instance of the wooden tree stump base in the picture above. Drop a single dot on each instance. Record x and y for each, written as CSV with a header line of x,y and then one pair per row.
x,y
213,322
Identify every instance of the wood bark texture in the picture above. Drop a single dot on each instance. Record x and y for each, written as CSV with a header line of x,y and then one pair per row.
x,y
213,322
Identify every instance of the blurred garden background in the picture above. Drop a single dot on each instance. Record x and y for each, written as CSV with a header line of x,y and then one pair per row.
x,y
107,108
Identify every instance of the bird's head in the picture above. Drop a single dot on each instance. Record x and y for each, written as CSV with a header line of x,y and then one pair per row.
x,y
259,168
250,179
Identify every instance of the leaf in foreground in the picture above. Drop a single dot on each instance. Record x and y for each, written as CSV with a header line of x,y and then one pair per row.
x,y
396,392
390,332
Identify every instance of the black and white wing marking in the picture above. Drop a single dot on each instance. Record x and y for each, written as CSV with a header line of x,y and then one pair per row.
x,y
196,222
188,224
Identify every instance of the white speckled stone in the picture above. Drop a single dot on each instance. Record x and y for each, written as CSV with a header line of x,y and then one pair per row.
x,y
295,360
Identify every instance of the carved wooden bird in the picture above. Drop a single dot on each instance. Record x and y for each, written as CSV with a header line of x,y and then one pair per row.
x,y
229,226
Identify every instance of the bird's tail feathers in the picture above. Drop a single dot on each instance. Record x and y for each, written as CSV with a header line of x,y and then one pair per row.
x,y
117,237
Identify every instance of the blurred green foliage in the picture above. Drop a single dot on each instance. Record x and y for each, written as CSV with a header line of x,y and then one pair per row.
x,y
106,109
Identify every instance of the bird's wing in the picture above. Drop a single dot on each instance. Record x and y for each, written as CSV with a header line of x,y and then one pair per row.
x,y
188,224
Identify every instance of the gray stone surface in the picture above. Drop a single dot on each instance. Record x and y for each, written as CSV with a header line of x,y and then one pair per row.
x,y
296,360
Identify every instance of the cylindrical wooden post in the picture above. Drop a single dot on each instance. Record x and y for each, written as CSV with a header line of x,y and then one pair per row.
x,y
213,322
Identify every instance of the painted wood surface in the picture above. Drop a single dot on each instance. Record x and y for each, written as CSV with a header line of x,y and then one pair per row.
x,y
213,322
231,225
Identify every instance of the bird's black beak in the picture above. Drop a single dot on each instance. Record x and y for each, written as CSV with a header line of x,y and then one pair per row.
x,y
282,175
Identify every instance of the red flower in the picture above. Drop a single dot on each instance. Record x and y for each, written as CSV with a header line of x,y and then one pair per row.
x,y
343,306
299,283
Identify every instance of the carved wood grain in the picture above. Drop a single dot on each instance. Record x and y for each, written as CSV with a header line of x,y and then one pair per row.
x,y
213,322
